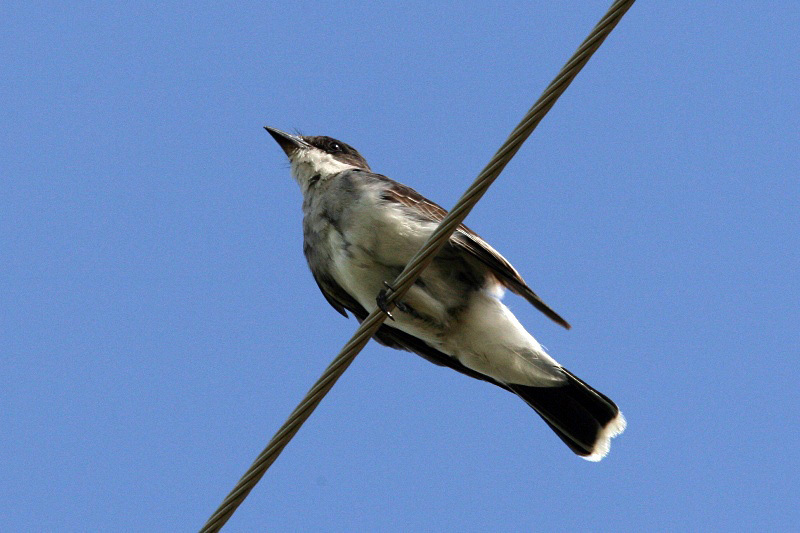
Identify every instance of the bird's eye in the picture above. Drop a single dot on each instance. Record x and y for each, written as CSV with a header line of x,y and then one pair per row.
x,y
336,148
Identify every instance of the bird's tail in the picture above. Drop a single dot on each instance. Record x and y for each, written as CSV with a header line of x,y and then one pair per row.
x,y
586,420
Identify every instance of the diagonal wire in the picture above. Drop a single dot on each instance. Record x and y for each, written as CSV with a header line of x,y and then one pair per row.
x,y
418,263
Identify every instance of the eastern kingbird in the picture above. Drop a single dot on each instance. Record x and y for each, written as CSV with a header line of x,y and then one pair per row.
x,y
359,231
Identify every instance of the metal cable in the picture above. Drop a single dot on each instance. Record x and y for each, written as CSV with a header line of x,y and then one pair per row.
x,y
417,264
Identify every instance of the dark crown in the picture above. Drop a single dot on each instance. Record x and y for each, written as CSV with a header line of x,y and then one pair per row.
x,y
338,149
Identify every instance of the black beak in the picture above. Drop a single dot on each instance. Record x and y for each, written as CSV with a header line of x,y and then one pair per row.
x,y
288,142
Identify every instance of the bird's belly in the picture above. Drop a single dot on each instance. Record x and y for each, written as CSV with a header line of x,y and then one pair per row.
x,y
481,332
364,276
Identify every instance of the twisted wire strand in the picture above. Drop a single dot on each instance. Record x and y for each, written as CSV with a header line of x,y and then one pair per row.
x,y
417,264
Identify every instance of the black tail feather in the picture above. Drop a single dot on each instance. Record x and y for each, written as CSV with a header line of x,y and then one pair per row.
x,y
582,417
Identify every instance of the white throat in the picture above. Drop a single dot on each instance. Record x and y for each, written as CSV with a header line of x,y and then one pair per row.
x,y
308,163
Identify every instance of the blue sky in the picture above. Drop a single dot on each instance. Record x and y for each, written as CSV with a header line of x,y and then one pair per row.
x,y
158,322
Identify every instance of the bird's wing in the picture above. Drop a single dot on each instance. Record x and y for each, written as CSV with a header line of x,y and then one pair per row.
x,y
467,240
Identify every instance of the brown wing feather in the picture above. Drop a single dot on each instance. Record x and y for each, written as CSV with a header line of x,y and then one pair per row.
x,y
471,242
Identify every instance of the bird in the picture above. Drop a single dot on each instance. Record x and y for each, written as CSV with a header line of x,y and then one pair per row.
x,y
360,229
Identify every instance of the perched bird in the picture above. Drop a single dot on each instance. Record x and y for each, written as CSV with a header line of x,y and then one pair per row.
x,y
359,231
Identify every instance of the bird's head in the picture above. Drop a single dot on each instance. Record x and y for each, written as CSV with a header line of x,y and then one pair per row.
x,y
317,158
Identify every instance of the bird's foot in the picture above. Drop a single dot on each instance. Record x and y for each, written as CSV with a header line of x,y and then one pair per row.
x,y
383,305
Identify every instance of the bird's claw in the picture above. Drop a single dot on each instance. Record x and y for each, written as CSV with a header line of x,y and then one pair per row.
x,y
381,299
